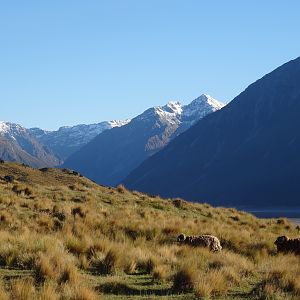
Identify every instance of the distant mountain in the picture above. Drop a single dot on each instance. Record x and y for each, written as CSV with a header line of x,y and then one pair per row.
x,y
18,144
246,154
68,139
113,154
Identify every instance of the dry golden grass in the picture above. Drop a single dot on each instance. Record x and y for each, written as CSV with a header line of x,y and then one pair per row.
x,y
48,292
23,289
3,292
74,236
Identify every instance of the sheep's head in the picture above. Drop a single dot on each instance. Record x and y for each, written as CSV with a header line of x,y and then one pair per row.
x,y
281,240
181,238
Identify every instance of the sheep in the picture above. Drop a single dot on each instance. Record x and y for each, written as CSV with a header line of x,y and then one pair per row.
x,y
285,245
206,240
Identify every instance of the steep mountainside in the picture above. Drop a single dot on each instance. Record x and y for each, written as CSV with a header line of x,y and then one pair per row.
x,y
244,154
68,139
113,154
17,144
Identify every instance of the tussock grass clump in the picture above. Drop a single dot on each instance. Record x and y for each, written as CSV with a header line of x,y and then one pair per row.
x,y
281,277
3,293
49,291
70,274
76,245
56,265
203,283
213,283
179,203
78,211
110,263
185,279
117,261
84,293
147,264
23,289
161,273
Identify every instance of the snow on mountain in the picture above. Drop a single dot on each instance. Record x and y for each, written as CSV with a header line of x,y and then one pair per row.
x,y
244,155
11,130
170,113
113,154
68,139
82,133
176,113
201,106
159,125
18,144
118,123
3,127
197,109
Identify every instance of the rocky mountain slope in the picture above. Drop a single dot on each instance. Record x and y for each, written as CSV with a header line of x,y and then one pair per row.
x,y
244,154
113,154
18,144
68,139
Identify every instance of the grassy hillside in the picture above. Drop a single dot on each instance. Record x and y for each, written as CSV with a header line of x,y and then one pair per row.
x,y
64,237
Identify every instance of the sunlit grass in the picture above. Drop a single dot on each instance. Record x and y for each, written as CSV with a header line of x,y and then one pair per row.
x,y
82,241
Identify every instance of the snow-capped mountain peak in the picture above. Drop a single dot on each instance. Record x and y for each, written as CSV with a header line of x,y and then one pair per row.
x,y
201,106
18,144
174,107
112,155
204,98
169,113
175,113
3,126
10,129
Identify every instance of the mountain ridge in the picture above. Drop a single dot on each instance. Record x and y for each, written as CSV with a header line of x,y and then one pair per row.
x,y
68,139
110,157
242,154
18,144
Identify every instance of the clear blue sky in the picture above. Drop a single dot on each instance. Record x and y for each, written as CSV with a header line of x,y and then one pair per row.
x,y
69,62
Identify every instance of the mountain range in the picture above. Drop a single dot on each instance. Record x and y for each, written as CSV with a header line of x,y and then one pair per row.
x,y
244,154
18,144
43,148
68,139
114,153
